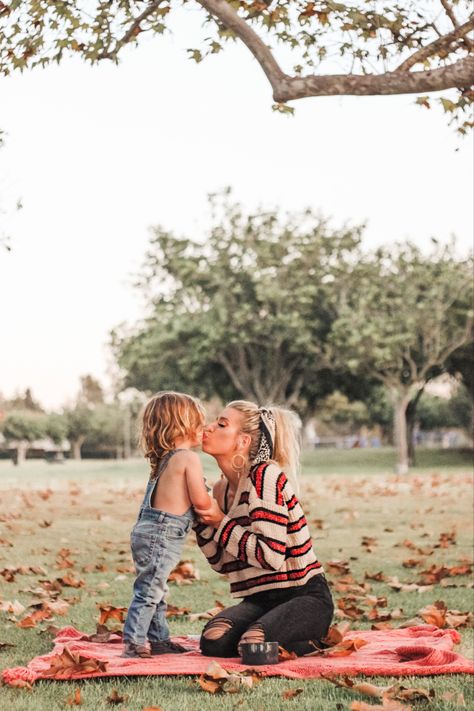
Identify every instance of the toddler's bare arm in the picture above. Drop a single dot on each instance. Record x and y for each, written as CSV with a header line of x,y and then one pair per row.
x,y
195,482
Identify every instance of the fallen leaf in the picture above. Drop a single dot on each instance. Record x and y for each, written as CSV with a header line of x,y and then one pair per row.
x,y
173,611
115,698
69,663
218,680
20,684
70,581
207,614
4,645
338,567
184,573
33,619
74,699
336,633
387,705
284,655
291,693
13,608
109,612
434,614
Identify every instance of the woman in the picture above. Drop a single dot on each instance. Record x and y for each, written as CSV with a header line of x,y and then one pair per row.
x,y
256,533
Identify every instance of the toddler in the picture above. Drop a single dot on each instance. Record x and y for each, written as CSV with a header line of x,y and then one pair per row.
x,y
172,424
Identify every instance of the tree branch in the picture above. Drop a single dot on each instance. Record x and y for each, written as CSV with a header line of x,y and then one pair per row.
x,y
287,88
440,43
229,17
450,12
132,31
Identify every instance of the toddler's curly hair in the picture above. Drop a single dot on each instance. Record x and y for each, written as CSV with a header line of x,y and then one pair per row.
x,y
166,416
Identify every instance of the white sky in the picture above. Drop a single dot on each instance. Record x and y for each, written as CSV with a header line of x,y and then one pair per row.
x,y
98,155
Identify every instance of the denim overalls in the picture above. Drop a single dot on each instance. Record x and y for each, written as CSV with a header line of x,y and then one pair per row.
x,y
156,541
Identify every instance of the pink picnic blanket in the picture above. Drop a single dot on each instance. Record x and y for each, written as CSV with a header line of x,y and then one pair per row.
x,y
420,651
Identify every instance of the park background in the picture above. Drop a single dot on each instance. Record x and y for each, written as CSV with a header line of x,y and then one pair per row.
x,y
119,277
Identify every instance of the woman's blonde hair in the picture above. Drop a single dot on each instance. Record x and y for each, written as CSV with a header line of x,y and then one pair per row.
x,y
168,415
287,442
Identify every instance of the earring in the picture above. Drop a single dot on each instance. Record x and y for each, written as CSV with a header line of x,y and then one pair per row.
x,y
238,466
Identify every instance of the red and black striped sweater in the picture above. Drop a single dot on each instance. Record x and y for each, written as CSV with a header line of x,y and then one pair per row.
x,y
263,541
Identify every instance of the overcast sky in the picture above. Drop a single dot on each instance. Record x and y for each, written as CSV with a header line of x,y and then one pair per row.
x,y
98,155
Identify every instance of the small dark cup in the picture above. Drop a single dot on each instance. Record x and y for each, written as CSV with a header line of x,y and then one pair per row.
x,y
255,653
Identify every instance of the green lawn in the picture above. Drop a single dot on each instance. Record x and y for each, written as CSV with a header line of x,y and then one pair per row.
x,y
89,508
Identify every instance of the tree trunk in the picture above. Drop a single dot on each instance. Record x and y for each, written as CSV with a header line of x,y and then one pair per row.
x,y
76,445
411,419
19,456
400,403
127,445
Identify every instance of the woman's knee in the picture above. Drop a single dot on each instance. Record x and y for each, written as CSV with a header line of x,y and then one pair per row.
x,y
215,639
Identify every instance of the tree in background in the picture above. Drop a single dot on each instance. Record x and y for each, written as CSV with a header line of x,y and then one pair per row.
x,y
25,402
402,315
78,418
245,314
337,411
375,48
20,428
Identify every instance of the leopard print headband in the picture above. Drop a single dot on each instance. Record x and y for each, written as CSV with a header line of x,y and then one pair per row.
x,y
267,437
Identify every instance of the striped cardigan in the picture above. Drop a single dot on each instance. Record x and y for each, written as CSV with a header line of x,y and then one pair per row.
x,y
263,542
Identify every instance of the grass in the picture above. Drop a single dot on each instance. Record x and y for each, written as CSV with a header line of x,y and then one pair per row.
x,y
89,507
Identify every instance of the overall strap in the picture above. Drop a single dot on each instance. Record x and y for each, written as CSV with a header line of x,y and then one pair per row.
x,y
161,467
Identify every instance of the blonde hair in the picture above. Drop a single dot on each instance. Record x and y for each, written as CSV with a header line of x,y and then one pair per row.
x,y
287,442
168,415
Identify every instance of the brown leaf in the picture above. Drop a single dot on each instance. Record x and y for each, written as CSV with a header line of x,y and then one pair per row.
x,y
103,635
382,626
33,619
338,567
455,619
4,645
284,655
387,705
109,612
70,581
20,684
291,693
74,699
69,663
346,647
184,573
336,634
207,614
209,685
116,698
434,614
173,611
216,679
380,577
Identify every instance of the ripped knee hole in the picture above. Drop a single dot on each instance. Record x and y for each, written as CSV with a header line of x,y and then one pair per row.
x,y
253,635
216,629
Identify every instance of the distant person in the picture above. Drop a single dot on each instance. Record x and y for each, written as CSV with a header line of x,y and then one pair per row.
x,y
172,424
256,533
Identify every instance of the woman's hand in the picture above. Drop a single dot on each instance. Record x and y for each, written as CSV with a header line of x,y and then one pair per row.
x,y
212,516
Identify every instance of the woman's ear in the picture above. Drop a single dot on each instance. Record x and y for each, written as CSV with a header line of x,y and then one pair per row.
x,y
244,441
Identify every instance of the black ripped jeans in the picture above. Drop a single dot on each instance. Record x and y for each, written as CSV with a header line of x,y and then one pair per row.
x,y
293,617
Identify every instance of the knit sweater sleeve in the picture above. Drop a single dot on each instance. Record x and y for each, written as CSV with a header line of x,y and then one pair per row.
x,y
205,540
262,542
